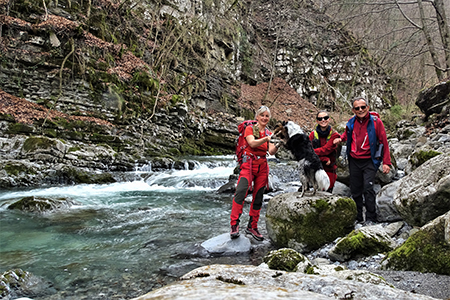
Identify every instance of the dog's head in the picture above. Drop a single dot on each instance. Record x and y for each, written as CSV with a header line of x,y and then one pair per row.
x,y
286,130
281,132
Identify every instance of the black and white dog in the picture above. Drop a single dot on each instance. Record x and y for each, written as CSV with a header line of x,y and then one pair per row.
x,y
310,167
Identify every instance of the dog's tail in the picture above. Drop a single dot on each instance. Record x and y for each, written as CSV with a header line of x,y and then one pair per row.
x,y
322,179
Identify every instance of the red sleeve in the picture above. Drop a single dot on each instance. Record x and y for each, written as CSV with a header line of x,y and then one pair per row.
x,y
248,131
381,133
329,147
344,135
311,135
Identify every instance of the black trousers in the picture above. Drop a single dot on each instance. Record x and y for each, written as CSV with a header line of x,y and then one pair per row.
x,y
362,179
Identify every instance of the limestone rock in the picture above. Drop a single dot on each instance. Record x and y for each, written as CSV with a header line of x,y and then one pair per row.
x,y
224,245
386,210
217,282
423,195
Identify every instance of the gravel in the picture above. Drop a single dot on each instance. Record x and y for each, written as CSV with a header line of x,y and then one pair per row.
x,y
430,284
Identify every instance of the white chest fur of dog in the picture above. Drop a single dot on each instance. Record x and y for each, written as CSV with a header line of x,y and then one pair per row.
x,y
310,168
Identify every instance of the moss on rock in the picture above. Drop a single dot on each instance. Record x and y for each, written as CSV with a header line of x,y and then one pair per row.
x,y
419,157
283,259
321,223
34,143
359,243
424,251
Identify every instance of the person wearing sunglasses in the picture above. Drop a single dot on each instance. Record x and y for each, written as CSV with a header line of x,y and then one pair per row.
x,y
254,168
367,149
322,138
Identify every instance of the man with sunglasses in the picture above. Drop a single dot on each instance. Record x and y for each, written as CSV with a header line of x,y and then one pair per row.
x,y
322,138
367,149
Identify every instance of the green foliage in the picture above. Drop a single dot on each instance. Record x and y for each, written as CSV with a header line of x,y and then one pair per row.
x,y
397,113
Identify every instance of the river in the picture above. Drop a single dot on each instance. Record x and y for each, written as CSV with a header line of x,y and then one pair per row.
x,y
120,240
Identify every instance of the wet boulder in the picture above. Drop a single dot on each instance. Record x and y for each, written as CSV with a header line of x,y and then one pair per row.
x,y
225,246
17,283
307,223
41,204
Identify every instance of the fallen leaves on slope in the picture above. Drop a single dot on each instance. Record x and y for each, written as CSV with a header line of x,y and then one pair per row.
x,y
27,112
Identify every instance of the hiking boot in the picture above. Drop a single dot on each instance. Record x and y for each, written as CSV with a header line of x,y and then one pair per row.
x,y
234,231
255,233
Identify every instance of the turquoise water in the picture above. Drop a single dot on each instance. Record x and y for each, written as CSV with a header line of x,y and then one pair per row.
x,y
121,240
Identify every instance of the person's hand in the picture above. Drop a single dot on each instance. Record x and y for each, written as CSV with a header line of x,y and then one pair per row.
x,y
386,169
268,138
328,162
337,141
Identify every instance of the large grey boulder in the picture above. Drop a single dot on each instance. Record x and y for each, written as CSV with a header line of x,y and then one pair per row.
x,y
217,282
435,99
307,223
386,210
424,194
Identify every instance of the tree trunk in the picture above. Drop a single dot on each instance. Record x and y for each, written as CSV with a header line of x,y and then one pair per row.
x,y
431,49
444,31
88,14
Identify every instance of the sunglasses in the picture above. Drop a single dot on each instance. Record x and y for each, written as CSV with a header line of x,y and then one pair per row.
x,y
322,118
360,107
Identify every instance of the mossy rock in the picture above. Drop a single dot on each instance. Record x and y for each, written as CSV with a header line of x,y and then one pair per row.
x,y
35,143
19,128
308,223
425,251
283,259
78,176
419,157
366,241
14,169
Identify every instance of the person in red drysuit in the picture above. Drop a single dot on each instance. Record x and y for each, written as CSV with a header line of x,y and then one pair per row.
x,y
254,168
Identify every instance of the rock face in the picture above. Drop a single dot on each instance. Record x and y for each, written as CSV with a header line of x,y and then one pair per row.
x,y
248,282
176,94
424,194
307,223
